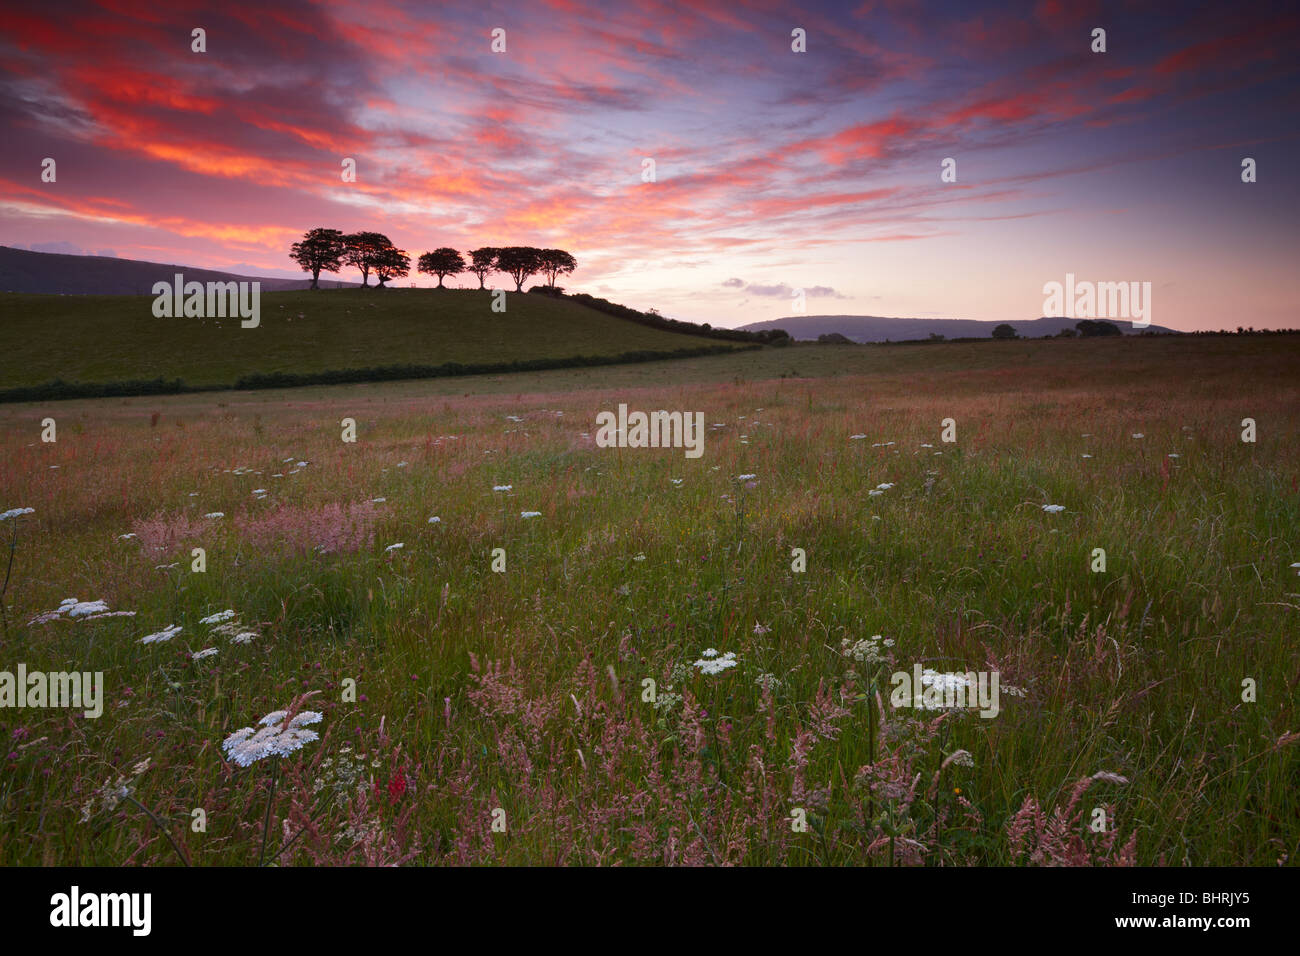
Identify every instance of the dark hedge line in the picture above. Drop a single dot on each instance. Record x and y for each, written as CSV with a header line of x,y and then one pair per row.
x,y
59,389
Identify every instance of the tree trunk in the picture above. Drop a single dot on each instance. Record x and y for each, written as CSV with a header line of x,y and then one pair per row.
x,y
315,276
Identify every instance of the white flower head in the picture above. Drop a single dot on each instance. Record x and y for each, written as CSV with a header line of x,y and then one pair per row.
x,y
530,514
246,746
206,652
716,665
1053,509
166,634
15,512
218,618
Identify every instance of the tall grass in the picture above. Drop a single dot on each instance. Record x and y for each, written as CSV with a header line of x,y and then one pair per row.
x,y
524,691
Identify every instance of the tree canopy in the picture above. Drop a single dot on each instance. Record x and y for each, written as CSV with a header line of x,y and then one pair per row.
x,y
441,262
321,250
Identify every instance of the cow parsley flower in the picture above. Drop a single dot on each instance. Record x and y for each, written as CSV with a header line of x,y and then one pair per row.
x,y
530,514
218,618
206,652
215,514
276,738
711,664
166,634
396,547
1053,509
502,487
15,512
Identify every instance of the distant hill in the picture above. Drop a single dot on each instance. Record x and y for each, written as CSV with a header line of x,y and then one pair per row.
x,y
53,273
874,328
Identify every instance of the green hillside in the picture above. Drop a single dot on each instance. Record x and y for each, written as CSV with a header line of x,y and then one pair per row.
x,y
99,339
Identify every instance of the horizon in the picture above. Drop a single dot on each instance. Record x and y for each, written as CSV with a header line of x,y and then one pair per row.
x,y
1109,166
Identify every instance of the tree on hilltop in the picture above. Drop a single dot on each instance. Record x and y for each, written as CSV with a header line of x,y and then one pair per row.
x,y
441,262
553,263
321,250
520,263
481,262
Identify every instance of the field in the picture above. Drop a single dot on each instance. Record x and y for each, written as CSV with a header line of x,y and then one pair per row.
x,y
472,715
118,339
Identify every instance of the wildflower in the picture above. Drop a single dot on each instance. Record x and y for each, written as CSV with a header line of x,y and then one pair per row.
x,y
126,537
710,652
277,737
760,629
218,618
15,512
243,637
638,557
962,758
206,652
769,682
435,520
1087,456
746,477
395,547
530,514
502,487
856,437
215,514
378,501
676,481
166,634
1138,435
716,665
868,650
874,492
259,491
885,486
1053,509
1174,454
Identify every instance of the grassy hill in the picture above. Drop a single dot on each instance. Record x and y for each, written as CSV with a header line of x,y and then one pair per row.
x,y
104,339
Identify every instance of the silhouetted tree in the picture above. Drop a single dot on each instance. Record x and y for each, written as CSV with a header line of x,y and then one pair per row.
x,y
321,250
520,263
481,262
1004,331
553,263
1089,328
390,263
362,249
441,262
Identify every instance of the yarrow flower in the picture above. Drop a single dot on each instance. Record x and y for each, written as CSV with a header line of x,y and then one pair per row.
x,y
276,738
15,512
395,547
218,618
206,652
502,487
530,514
1053,509
215,514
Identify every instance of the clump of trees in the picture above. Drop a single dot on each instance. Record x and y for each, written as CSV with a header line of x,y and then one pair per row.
x,y
329,250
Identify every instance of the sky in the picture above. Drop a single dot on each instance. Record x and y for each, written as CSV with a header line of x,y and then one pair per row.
x,y
773,170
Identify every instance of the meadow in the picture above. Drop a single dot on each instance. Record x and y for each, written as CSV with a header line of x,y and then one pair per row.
x,y
478,716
